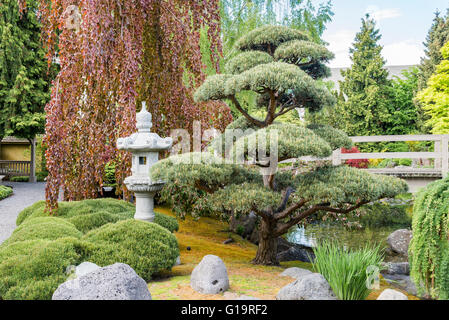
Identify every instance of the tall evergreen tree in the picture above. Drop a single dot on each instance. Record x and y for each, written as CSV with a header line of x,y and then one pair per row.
x,y
366,85
24,80
436,38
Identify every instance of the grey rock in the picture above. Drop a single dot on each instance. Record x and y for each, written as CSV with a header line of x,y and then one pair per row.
x,y
390,294
115,282
244,225
288,251
402,268
210,276
311,287
402,282
296,273
399,241
85,268
178,261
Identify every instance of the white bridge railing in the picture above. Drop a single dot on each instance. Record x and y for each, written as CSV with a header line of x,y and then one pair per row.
x,y
440,154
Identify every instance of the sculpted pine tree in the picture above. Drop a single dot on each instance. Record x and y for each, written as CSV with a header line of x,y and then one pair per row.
x,y
282,66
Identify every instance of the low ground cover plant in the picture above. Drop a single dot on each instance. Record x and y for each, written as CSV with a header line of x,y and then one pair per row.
x,y
5,192
346,270
33,261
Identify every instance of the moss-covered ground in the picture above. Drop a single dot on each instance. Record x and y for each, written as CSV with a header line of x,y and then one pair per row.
x,y
206,236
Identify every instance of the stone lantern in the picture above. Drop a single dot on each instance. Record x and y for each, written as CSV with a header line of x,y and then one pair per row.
x,y
145,147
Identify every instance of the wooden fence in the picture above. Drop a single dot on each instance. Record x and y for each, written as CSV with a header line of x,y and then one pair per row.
x,y
15,168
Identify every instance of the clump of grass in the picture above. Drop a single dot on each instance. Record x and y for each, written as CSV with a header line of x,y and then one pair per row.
x,y
346,269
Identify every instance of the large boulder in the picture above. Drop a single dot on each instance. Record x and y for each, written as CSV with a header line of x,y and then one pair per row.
x,y
399,241
390,294
288,251
115,282
210,276
296,273
311,287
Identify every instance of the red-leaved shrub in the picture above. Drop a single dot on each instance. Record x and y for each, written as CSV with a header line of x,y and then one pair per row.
x,y
356,163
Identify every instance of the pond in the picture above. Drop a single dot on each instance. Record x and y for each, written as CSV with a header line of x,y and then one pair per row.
x,y
313,233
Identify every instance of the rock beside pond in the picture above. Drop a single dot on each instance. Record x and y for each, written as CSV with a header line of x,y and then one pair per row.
x,y
402,268
210,276
288,251
115,282
296,273
399,241
310,287
402,282
390,294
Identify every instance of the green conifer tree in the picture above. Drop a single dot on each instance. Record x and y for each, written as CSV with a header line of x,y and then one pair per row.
x,y
24,76
366,85
436,38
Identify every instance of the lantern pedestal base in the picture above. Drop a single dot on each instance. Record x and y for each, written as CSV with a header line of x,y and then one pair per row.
x,y
144,206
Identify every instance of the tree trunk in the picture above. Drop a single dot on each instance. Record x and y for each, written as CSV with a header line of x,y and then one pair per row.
x,y
267,249
33,160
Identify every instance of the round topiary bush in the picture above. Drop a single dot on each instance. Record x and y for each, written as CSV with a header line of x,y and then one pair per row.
x,y
46,228
33,270
87,222
147,247
169,223
78,208
429,247
91,214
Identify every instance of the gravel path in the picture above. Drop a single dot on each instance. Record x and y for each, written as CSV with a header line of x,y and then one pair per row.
x,y
25,194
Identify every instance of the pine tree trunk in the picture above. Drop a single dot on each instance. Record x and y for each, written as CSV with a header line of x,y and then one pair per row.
x,y
267,249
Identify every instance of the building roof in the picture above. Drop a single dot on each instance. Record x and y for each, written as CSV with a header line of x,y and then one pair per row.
x,y
394,71
14,140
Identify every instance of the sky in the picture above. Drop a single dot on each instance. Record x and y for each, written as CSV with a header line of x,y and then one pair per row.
x,y
403,24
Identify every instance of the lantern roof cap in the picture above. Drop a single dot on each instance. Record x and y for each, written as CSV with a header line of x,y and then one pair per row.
x,y
144,140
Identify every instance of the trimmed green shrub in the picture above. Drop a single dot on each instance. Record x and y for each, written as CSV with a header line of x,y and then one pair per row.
x,y
87,222
169,223
34,269
147,247
91,214
45,228
34,259
429,248
20,179
346,269
5,192
77,208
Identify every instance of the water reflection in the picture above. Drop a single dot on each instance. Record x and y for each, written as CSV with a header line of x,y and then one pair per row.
x,y
313,233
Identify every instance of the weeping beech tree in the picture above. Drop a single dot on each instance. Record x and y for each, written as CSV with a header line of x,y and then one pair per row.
x,y
282,66
113,54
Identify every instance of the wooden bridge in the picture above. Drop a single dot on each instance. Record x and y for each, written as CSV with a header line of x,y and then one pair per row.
x,y
415,177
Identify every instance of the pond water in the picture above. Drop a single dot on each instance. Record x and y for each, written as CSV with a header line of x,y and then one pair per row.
x,y
313,233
